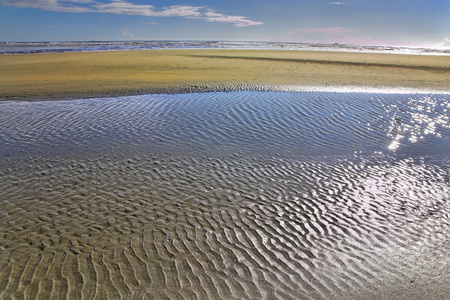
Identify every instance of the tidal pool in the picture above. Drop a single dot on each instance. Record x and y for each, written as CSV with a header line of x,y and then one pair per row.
x,y
238,195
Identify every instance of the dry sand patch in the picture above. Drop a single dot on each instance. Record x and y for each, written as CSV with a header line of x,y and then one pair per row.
x,y
97,74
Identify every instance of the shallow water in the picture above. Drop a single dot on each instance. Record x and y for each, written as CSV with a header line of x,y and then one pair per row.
x,y
241,195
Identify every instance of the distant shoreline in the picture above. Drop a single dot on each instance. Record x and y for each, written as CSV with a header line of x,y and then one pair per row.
x,y
95,46
76,75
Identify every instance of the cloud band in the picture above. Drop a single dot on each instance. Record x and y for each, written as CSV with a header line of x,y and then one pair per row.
x,y
122,7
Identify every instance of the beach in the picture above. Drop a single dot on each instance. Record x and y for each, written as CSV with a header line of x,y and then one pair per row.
x,y
224,174
235,195
235,150
56,76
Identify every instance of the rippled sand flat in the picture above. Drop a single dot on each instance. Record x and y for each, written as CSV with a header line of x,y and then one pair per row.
x,y
243,195
56,76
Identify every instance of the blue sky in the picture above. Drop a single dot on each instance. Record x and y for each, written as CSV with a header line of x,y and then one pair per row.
x,y
369,22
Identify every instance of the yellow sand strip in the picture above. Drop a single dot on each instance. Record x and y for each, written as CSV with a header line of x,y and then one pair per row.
x,y
48,76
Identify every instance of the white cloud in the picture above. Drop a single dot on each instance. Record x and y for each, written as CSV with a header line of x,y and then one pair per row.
x,y
239,21
317,34
122,7
127,34
181,11
446,42
331,30
329,36
337,3
51,5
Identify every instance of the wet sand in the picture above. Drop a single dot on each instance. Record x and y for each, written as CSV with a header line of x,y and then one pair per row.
x,y
225,195
102,74
240,195
223,228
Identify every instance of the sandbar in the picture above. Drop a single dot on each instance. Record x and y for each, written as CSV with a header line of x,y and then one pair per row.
x,y
54,76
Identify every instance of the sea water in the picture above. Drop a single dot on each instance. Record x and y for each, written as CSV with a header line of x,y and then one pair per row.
x,y
237,195
77,46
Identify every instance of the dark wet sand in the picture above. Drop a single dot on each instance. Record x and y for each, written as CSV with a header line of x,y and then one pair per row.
x,y
55,76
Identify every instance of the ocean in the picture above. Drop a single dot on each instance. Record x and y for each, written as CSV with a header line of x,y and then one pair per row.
x,y
77,46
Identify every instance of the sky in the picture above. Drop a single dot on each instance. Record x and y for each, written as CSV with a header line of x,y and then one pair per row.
x,y
367,22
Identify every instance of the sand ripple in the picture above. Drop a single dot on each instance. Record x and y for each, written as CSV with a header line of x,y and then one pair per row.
x,y
196,209
307,123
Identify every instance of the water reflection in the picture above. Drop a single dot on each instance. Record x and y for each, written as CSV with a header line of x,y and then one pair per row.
x,y
244,195
419,117
303,123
